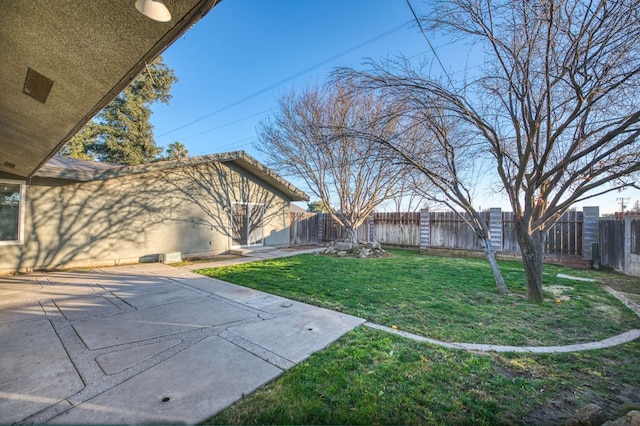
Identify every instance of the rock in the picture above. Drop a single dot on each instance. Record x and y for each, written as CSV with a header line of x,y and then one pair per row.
x,y
628,406
361,250
632,418
589,415
342,246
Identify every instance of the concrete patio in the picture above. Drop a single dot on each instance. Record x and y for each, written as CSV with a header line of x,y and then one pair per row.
x,y
145,343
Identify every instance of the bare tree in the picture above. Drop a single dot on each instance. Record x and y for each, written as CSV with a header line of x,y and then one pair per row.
x,y
443,163
556,105
412,198
349,174
453,165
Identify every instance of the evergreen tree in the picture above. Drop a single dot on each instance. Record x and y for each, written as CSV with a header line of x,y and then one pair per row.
x,y
317,207
177,151
121,133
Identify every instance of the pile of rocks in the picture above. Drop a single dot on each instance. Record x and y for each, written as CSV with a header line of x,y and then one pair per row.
x,y
362,249
592,415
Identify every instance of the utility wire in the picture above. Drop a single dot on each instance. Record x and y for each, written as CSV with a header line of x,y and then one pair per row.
x,y
288,79
271,109
227,124
424,34
232,145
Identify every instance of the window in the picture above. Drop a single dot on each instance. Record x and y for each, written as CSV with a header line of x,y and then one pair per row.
x,y
11,211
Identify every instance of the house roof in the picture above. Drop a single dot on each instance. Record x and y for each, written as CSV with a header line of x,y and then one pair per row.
x,y
67,168
64,60
297,209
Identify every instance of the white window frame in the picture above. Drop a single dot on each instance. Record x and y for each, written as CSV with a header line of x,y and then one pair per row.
x,y
21,209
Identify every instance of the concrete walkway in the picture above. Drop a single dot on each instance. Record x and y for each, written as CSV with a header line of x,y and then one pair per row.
x,y
152,343
147,343
602,344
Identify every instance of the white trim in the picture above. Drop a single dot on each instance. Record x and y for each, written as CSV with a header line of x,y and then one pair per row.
x,y
21,207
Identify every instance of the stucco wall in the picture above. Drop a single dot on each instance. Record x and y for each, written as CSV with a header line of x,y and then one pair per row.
x,y
633,265
631,261
134,218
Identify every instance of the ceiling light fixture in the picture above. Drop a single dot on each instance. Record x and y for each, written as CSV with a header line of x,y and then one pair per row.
x,y
154,9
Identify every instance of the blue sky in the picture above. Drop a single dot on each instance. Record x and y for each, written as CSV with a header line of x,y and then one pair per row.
x,y
235,62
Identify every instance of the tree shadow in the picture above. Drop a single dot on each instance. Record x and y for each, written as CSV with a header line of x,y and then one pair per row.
x,y
68,221
197,209
229,201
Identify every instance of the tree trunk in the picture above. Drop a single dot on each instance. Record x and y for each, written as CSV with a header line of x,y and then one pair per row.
x,y
497,274
352,234
531,246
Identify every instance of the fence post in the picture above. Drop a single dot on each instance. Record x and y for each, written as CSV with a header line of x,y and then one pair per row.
x,y
590,229
425,229
495,228
370,228
320,227
626,268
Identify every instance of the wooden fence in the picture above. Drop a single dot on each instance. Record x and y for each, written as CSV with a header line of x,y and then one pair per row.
x,y
619,243
563,239
303,228
611,243
333,231
449,230
397,229
446,229
573,235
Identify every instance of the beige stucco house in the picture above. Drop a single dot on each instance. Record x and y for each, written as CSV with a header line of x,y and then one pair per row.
x,y
81,213
63,61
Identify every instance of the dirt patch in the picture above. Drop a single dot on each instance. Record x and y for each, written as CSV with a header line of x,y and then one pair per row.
x,y
560,408
558,291
623,283
609,311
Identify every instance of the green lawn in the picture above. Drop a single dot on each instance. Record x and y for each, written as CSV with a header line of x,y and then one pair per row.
x,y
372,377
443,298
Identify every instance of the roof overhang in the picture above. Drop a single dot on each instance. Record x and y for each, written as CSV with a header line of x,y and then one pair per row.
x,y
87,171
63,61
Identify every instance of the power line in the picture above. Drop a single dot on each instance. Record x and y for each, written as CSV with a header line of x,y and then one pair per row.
x,y
422,53
227,124
424,34
288,79
235,144
622,201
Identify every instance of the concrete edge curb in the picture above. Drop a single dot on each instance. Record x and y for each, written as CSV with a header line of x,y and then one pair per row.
x,y
602,344
622,297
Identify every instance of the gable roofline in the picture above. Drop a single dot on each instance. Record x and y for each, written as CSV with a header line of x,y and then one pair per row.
x,y
88,171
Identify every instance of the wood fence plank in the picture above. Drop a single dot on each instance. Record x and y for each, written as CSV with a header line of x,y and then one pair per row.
x,y
446,229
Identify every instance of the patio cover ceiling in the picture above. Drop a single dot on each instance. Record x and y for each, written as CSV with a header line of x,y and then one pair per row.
x,y
63,61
